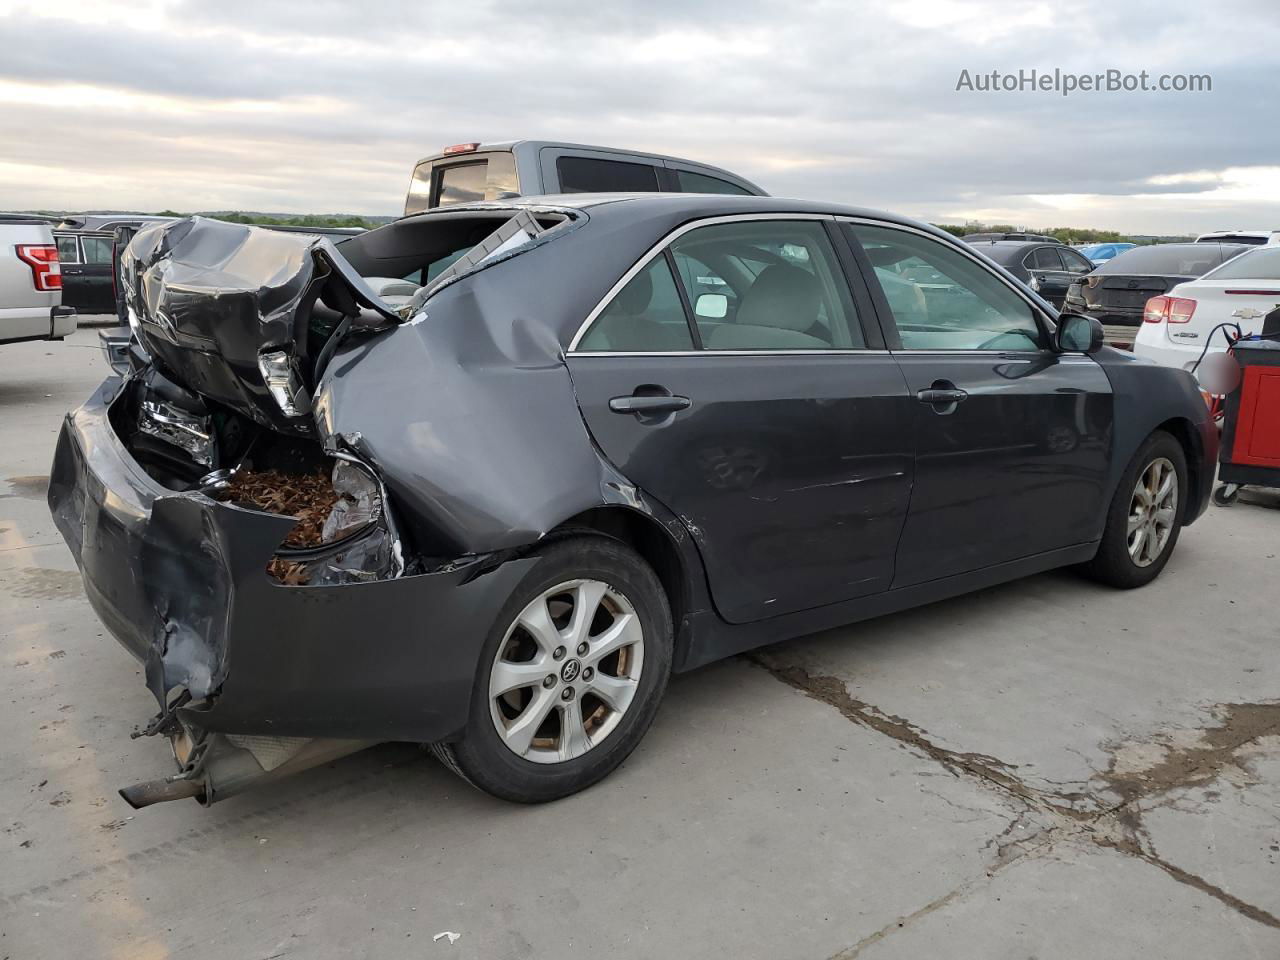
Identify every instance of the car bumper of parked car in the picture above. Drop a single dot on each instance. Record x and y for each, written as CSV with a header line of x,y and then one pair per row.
x,y
19,324
62,322
1108,316
180,580
1153,343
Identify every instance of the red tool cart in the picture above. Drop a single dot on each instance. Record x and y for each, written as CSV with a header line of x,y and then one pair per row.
x,y
1250,451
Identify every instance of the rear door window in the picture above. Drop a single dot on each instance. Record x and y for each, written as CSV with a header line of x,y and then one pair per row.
x,y
788,292
1045,258
96,249
1074,262
68,252
592,175
690,182
646,316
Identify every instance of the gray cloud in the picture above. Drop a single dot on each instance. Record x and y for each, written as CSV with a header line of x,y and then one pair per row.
x,y
325,105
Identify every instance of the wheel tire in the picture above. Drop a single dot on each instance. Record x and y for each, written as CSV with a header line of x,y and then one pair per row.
x,y
483,757
1113,563
1224,499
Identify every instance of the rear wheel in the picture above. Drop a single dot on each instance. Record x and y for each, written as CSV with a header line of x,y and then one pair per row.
x,y
570,676
1145,516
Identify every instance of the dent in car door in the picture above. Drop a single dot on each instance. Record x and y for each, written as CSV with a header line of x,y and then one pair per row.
x,y
791,468
1012,440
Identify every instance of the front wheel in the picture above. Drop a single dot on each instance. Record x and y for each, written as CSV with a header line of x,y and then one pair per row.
x,y
1145,516
570,676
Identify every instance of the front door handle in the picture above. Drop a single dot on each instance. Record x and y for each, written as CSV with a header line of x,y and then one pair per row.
x,y
649,404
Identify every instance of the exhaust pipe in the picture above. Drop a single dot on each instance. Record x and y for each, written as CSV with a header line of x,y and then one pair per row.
x,y
144,794
232,763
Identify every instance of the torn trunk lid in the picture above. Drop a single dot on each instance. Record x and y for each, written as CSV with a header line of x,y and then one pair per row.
x,y
244,316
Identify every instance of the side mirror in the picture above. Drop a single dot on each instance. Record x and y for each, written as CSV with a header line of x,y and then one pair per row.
x,y
713,306
1077,333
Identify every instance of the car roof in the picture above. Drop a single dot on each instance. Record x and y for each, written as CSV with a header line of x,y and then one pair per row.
x,y
690,206
508,145
1015,244
630,225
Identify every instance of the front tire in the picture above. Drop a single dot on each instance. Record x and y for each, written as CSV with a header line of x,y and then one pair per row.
x,y
1145,516
570,676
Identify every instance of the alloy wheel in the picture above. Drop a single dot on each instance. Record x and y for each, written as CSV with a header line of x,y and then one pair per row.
x,y
1153,510
566,672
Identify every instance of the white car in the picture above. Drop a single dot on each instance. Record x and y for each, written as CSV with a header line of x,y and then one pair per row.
x,y
1254,237
31,282
1241,292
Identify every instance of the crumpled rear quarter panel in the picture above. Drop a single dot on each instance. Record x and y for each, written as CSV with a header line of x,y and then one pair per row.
x,y
470,415
180,580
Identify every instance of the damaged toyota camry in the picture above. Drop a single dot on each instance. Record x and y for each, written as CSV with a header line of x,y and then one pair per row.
x,y
483,478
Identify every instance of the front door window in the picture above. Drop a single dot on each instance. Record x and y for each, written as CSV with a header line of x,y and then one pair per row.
x,y
942,299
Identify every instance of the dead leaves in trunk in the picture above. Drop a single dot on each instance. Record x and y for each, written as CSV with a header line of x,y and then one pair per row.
x,y
308,497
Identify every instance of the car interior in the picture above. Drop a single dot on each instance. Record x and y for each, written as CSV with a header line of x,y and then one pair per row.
x,y
751,286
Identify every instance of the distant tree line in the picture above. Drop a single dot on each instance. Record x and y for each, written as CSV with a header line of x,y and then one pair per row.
x,y
303,220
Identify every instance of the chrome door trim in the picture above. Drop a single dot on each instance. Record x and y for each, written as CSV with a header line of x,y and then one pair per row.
x,y
730,353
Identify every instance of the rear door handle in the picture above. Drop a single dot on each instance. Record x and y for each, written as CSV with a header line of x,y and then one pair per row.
x,y
941,396
643,404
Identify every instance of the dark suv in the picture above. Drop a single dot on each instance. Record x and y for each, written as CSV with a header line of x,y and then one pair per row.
x,y
1047,268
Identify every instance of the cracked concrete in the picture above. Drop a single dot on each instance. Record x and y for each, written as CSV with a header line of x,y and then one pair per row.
x,y
1182,760
1045,770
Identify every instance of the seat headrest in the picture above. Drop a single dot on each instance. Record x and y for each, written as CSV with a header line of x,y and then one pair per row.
x,y
782,296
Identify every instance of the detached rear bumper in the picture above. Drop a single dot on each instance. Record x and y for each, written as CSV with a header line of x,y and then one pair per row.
x,y
180,580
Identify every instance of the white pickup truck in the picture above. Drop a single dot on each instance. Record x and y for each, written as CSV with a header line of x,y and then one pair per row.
x,y
31,282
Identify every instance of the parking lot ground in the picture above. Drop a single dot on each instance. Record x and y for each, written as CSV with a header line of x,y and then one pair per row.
x,y
1046,769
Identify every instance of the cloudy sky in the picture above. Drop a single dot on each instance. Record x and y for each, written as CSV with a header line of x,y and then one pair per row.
x,y
324,105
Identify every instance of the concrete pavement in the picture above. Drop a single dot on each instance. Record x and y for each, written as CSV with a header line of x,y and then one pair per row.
x,y
1048,769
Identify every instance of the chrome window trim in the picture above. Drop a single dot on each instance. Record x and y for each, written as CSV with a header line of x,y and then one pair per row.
x,y
981,261
730,353
1026,356
657,249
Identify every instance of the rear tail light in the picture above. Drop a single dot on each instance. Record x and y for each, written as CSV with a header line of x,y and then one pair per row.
x,y
461,148
42,258
1181,309
1169,310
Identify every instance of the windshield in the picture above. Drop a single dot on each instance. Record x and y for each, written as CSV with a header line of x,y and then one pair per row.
x,y
1169,260
1263,264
